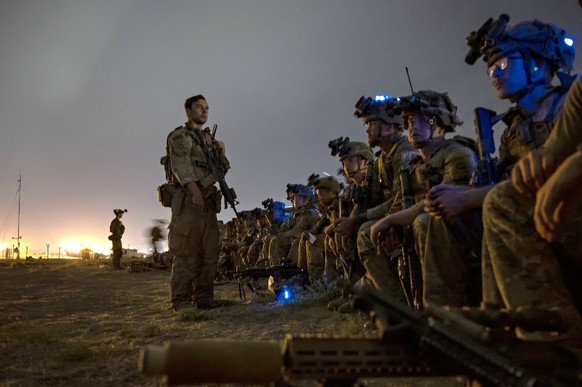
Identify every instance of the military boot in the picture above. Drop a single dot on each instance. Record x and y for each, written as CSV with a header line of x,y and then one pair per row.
x,y
335,304
347,307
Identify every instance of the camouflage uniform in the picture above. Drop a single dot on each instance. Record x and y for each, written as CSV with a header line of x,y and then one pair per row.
x,y
280,246
445,260
378,266
311,250
193,236
116,228
520,268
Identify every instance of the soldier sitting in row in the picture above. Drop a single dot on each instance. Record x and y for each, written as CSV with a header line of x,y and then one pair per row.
x,y
429,116
311,244
304,218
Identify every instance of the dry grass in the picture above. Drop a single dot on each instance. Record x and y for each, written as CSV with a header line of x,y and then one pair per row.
x,y
79,323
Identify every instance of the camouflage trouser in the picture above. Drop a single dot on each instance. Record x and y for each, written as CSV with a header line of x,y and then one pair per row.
x,y
310,257
378,268
116,258
193,240
279,249
520,268
450,259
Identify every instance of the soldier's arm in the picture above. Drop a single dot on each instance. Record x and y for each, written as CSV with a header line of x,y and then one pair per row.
x,y
180,145
557,195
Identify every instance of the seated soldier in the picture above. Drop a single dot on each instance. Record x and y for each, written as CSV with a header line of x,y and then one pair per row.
x,y
522,61
311,244
429,116
532,228
304,218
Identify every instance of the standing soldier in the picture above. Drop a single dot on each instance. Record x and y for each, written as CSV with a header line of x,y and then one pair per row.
x,y
157,235
193,236
116,228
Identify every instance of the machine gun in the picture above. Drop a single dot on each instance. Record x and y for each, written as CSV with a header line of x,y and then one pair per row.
x,y
485,174
431,342
213,167
279,273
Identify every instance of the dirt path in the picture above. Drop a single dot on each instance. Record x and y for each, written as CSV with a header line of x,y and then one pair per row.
x,y
74,323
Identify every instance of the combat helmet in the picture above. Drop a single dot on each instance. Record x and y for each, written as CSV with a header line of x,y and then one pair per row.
x,y
343,147
299,190
495,39
329,182
380,108
433,104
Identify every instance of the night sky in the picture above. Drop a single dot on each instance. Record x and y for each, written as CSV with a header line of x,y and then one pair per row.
x,y
89,91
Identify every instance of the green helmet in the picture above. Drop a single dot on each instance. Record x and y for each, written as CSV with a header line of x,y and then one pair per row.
x,y
495,39
432,103
380,108
346,148
329,182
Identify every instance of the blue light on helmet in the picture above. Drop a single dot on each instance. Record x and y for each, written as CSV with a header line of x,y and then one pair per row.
x,y
569,41
382,98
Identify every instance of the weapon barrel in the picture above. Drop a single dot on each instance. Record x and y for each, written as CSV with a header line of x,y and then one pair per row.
x,y
216,361
301,357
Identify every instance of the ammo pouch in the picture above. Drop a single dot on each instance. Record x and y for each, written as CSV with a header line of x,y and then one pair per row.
x,y
213,199
165,193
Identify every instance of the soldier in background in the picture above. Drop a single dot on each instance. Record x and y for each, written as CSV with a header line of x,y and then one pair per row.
x,y
157,235
116,228
304,218
193,236
311,245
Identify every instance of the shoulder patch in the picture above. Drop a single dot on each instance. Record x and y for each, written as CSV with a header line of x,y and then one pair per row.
x,y
180,143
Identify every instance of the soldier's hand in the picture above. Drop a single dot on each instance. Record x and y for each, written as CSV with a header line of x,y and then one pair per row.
x,y
554,197
388,243
446,201
345,226
197,200
380,229
532,171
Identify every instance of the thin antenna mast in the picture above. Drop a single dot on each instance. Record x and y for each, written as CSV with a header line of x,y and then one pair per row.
x,y
409,82
18,236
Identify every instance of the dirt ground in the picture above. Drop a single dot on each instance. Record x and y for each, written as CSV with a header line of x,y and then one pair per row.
x,y
74,323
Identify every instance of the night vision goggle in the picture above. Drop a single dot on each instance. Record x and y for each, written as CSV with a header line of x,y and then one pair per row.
x,y
340,145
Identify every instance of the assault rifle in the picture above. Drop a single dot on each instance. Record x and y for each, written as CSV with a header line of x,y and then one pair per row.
x,y
485,174
213,166
278,272
432,342
409,269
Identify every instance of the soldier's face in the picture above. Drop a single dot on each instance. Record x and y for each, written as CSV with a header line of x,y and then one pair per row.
x,y
509,76
419,128
352,165
298,201
326,195
373,129
199,112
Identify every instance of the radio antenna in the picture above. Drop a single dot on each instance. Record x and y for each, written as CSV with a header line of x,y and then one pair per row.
x,y
409,82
